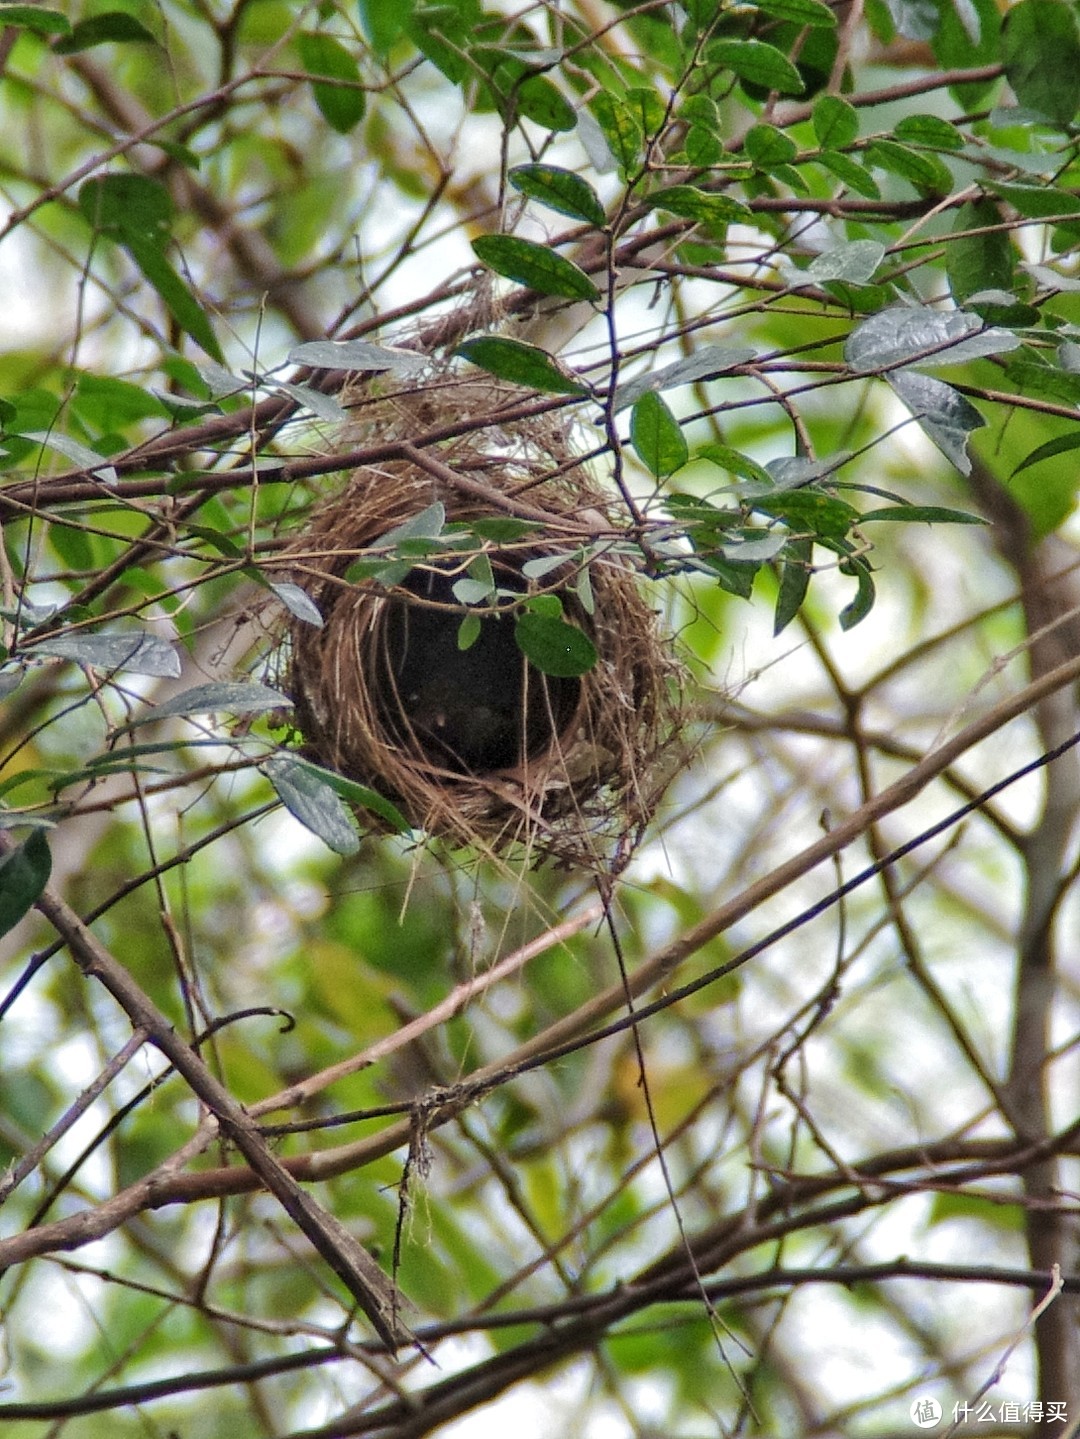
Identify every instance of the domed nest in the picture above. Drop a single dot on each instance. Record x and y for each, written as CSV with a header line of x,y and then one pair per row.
x,y
440,677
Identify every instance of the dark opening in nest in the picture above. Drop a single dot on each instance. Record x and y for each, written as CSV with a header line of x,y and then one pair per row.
x,y
475,743
475,710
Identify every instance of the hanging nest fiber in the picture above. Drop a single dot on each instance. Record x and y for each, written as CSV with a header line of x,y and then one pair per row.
x,y
476,743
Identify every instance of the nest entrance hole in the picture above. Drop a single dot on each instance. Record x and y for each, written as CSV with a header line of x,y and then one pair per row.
x,y
473,711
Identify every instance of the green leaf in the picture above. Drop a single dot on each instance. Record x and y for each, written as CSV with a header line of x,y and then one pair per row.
x,y
356,794
355,355
383,21
917,335
543,565
800,12
979,262
33,17
342,105
560,190
767,146
310,799
794,583
925,171
703,364
620,128
863,602
1050,450
850,173
656,436
553,646
140,654
1041,53
968,35
112,26
120,205
1039,202
735,462
81,455
692,204
180,302
536,266
836,122
247,697
468,591
942,412
24,873
427,524
855,263
297,601
136,212
540,100
929,130
521,364
759,63
469,631
927,514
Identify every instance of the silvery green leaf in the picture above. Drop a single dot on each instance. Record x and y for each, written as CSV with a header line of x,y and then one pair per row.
x,y
323,407
220,382
1049,279
915,19
80,455
245,697
595,144
703,364
28,613
917,335
542,565
942,412
139,654
311,800
968,15
754,551
355,355
789,472
298,602
427,525
853,263
470,592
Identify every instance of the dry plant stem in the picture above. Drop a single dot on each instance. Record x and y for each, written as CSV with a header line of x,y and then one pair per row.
x,y
455,1002
356,1269
29,1161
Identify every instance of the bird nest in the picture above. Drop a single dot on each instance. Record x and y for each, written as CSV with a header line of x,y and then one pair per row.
x,y
465,582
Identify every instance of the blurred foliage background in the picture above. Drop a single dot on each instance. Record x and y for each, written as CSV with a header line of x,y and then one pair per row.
x,y
771,1128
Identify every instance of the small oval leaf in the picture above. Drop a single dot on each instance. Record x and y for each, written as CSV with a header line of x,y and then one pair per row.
x,y
298,602
521,364
560,190
535,266
656,436
553,646
342,105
